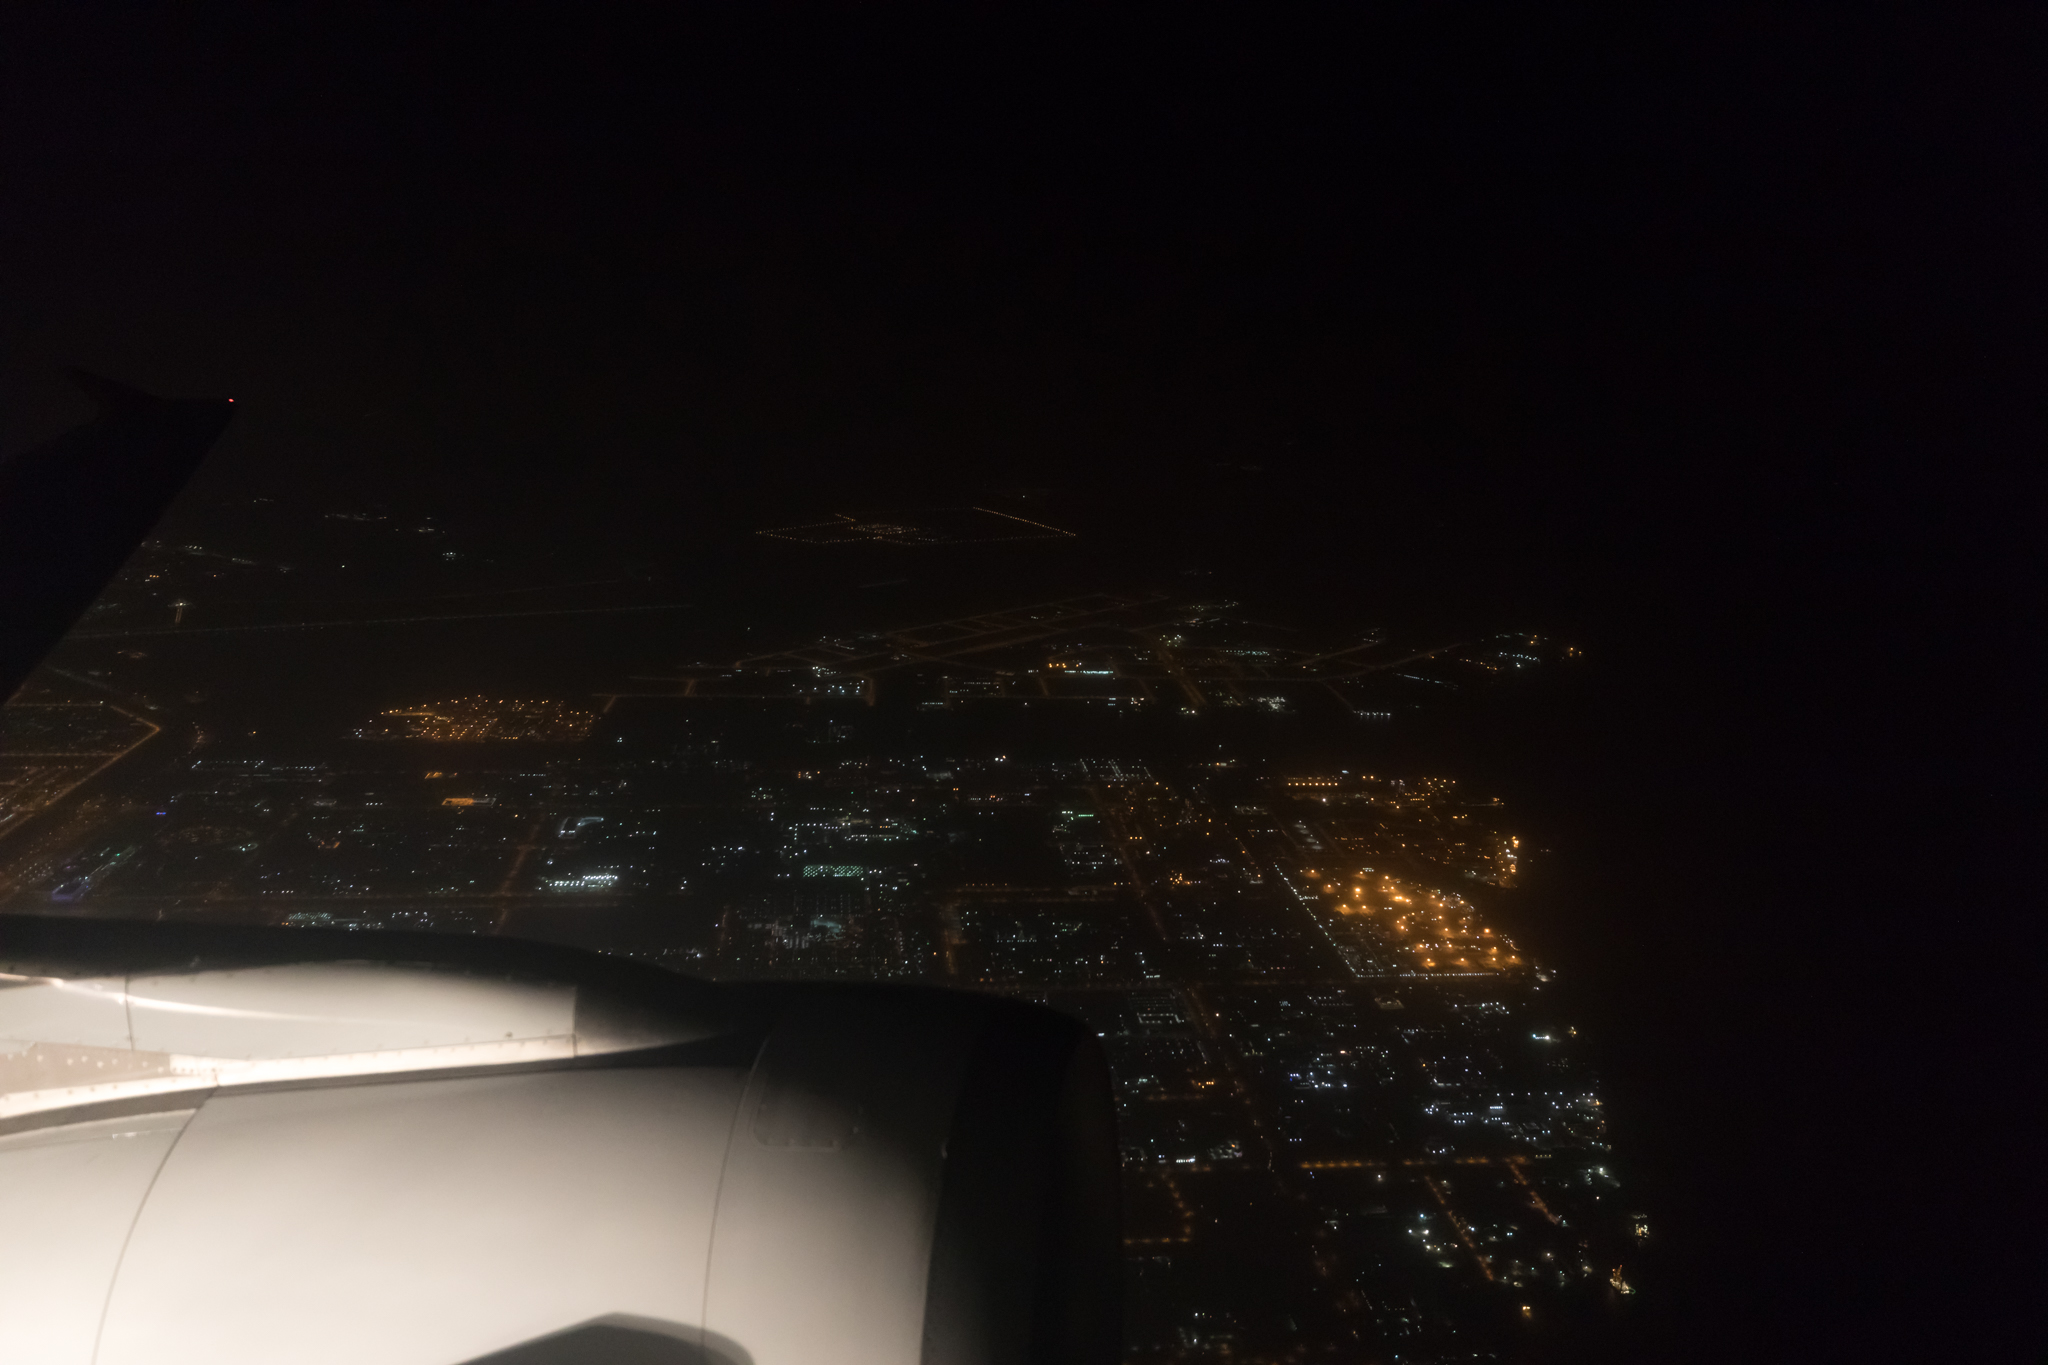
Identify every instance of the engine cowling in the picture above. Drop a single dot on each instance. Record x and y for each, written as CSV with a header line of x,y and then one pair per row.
x,y
261,1145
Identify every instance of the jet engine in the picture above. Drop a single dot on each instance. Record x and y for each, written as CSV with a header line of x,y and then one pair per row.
x,y
251,1146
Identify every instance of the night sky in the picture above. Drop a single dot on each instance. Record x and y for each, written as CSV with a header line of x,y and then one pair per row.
x,y
1711,341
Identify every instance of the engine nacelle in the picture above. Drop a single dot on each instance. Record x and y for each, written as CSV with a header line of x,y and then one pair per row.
x,y
243,1146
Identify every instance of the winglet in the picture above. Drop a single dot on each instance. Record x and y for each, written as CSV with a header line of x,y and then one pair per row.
x,y
73,509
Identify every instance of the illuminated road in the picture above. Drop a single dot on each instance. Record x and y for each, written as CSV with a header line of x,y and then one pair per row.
x,y
110,759
1515,1165
1485,1266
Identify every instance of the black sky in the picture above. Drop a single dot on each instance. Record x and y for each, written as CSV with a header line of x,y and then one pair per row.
x,y
1712,338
